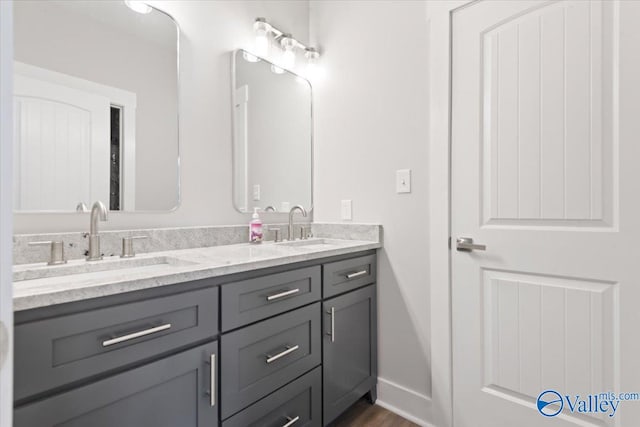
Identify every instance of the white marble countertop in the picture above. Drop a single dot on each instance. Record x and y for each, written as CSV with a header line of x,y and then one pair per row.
x,y
162,268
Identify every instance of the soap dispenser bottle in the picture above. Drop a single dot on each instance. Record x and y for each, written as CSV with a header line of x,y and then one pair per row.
x,y
255,227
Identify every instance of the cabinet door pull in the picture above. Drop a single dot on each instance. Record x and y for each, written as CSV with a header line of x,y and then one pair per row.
x,y
332,313
289,350
212,394
134,335
357,274
282,294
291,421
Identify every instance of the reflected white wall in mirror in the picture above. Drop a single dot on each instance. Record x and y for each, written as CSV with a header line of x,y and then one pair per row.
x,y
272,138
96,107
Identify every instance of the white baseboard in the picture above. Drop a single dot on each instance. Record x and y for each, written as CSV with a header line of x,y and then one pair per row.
x,y
407,403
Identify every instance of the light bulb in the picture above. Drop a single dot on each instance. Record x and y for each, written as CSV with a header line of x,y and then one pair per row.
x,y
312,71
138,6
249,57
262,28
277,70
288,56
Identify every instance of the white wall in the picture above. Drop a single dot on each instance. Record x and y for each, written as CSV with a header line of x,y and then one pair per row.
x,y
210,31
372,118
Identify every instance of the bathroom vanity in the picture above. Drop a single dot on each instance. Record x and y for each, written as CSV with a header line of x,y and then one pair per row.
x,y
274,335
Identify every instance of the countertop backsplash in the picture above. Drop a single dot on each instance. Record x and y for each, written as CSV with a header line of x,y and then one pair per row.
x,y
164,239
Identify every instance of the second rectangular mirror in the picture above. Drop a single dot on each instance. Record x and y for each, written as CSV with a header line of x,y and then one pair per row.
x,y
272,136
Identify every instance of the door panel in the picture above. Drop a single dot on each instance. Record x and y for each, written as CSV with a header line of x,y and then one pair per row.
x,y
544,174
174,391
349,350
547,123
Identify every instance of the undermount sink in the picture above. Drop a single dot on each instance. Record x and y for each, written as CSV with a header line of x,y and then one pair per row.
x,y
31,271
308,242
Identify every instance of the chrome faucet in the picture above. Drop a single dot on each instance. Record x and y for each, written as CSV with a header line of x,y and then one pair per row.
x,y
98,212
291,212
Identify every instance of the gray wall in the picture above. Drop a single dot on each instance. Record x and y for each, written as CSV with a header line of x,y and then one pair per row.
x,y
210,31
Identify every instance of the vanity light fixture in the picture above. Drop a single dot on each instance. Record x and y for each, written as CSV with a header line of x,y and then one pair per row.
x,y
138,6
265,32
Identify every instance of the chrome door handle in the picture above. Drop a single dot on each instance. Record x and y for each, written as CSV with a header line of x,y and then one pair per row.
x,y
282,294
134,335
465,244
291,421
282,354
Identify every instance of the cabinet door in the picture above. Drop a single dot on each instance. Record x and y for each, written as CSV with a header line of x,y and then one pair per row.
x,y
174,391
349,351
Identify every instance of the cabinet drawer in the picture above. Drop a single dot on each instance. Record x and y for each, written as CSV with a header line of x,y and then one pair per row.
x,y
58,351
298,403
261,358
251,300
343,276
167,393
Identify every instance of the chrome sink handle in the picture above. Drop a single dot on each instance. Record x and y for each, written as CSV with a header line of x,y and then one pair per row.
x,y
57,251
127,246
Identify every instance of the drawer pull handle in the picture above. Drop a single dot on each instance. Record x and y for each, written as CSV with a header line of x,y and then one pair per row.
x,y
282,294
134,335
212,394
291,421
357,274
282,354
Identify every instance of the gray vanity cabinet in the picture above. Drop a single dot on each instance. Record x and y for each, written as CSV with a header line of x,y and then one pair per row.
x,y
174,391
349,350
292,345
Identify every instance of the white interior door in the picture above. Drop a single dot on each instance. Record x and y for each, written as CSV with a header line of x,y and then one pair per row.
x,y
62,146
545,126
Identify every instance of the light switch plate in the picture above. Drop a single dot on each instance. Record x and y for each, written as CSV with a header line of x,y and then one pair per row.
x,y
346,210
403,181
256,192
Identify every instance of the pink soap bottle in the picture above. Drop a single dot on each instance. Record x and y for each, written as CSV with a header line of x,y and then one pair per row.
x,y
255,227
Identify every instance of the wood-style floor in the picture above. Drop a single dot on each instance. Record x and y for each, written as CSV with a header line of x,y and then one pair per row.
x,y
363,414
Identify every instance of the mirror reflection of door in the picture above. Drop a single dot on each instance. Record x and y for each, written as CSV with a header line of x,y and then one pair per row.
x,y
69,135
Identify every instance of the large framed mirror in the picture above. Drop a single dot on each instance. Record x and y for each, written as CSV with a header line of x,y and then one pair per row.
x,y
272,136
96,106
